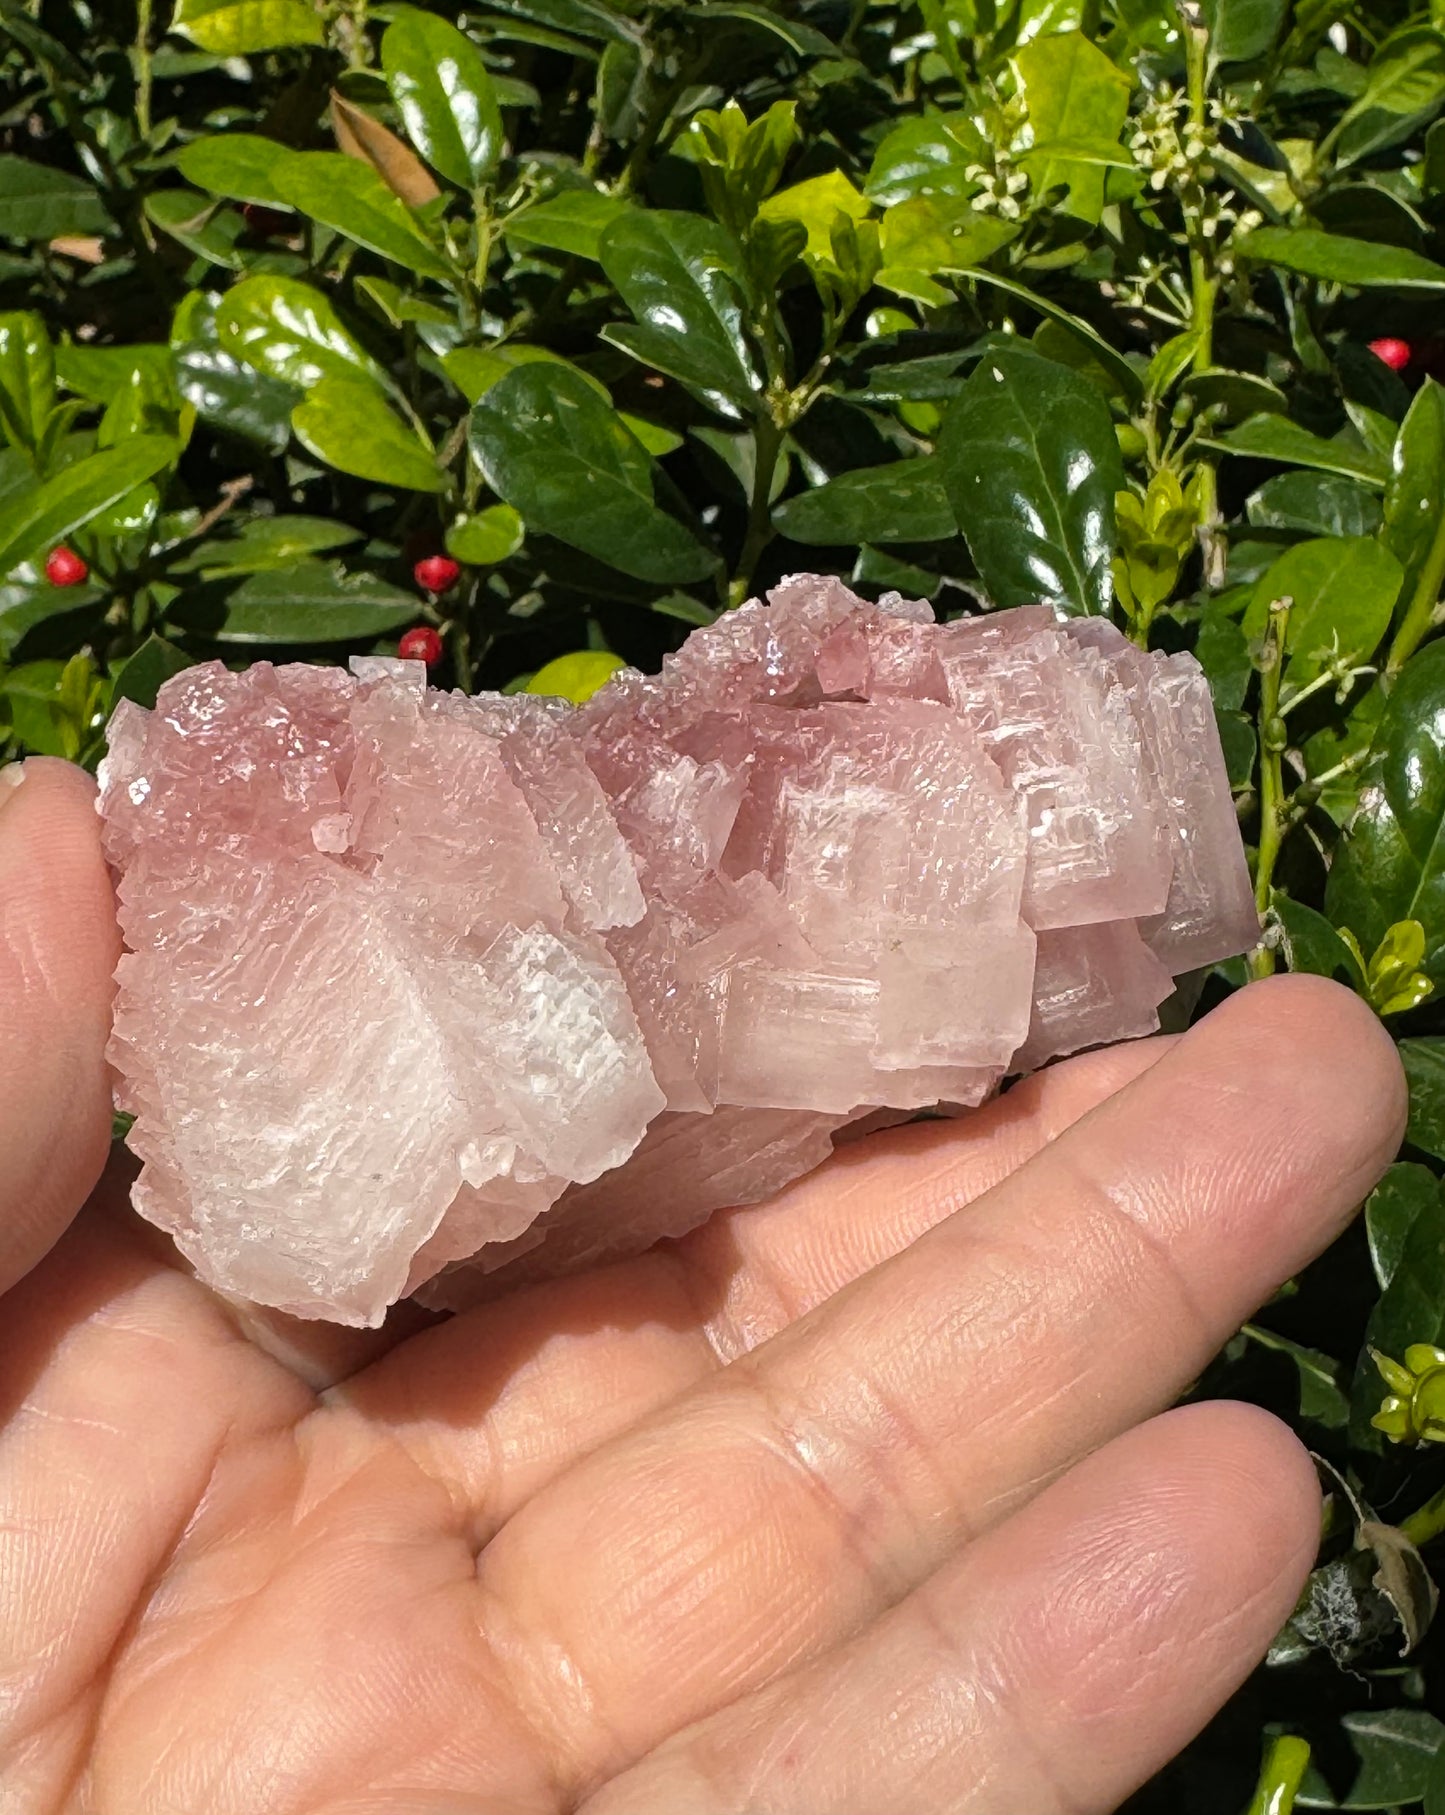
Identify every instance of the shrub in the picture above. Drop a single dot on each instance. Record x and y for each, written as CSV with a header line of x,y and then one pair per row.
x,y
557,326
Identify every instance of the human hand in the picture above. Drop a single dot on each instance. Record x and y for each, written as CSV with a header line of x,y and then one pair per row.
x,y
853,1502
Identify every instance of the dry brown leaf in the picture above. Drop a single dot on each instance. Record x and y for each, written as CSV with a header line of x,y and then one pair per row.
x,y
360,136
84,246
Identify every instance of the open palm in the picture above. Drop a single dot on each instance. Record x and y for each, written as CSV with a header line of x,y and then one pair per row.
x,y
844,1504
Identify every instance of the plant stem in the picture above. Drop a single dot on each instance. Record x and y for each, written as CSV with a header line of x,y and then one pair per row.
x,y
1203,296
1273,739
143,66
1285,1764
767,445
1427,1522
1420,612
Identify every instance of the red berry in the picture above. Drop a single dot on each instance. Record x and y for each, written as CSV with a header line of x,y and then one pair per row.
x,y
437,573
1395,353
65,568
421,644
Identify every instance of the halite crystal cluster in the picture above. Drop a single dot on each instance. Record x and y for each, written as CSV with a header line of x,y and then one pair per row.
x,y
426,988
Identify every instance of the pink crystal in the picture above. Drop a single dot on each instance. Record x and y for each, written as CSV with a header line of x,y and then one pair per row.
x,y
427,992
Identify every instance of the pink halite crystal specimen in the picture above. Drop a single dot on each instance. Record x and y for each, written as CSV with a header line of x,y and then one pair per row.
x,y
424,991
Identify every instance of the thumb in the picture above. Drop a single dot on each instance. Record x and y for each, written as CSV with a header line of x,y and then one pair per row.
x,y
58,947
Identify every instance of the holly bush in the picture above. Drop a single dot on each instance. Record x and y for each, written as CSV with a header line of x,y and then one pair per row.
x,y
547,329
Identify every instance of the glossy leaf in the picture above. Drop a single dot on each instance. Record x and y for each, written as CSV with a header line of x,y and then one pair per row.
x,y
903,501
39,202
96,373
1270,437
1308,942
1416,487
222,389
572,222
1031,465
556,452
234,164
310,602
27,379
1077,100
927,156
1360,263
353,199
445,95
1391,864
1424,1062
474,370
238,28
1405,1192
1343,589
941,233
492,535
350,425
47,513
1393,1750
141,676
1410,1310
1316,504
203,225
576,677
677,274
289,331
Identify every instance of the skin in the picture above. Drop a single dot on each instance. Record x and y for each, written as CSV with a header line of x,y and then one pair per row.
x,y
864,1499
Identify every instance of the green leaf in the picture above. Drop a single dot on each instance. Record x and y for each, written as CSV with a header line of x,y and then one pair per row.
x,y
1321,1397
232,396
938,233
572,222
930,155
1393,1748
1317,504
445,95
903,501
142,675
48,513
557,453
310,602
1128,380
353,199
678,275
1242,30
1391,863
238,28
288,330
1424,1062
1411,1309
1360,263
37,202
1222,651
1344,590
1406,1192
1417,484
235,164
1270,437
1077,100
27,379
492,535
474,370
1310,943
1031,465
200,223
1404,86
813,205
261,542
97,373
350,425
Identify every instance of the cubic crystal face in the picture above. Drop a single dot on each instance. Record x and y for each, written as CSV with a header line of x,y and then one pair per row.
x,y
433,993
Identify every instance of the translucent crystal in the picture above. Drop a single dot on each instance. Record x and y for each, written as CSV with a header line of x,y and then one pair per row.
x,y
432,993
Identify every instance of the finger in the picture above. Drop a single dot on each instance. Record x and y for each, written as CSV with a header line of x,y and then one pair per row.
x,y
58,948
776,1507
1053,1667
497,1402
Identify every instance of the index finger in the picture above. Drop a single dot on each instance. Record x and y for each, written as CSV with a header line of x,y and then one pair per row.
x,y
58,948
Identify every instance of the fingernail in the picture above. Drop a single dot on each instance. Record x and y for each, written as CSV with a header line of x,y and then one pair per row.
x,y
11,777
